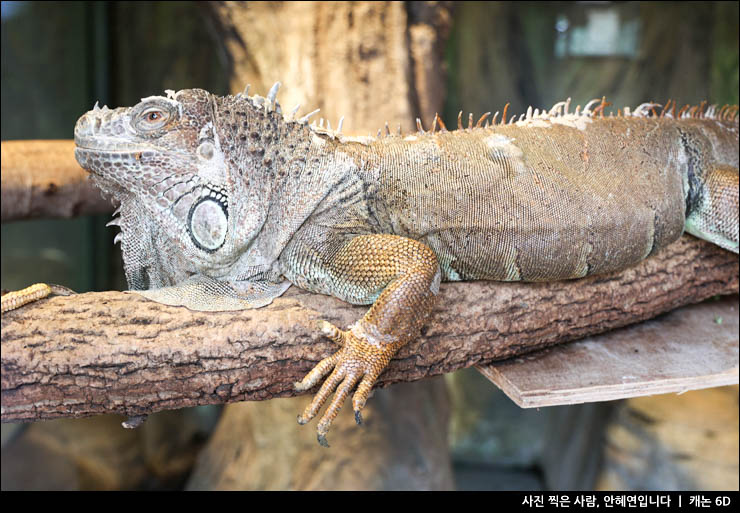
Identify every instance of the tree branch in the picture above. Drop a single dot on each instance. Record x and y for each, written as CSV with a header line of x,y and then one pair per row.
x,y
114,352
43,179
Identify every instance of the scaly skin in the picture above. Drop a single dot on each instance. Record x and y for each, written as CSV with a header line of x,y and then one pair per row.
x,y
225,203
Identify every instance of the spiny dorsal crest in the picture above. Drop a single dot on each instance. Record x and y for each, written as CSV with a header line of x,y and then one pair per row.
x,y
270,104
557,114
560,114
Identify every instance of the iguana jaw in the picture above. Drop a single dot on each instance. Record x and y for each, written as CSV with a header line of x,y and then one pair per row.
x,y
102,161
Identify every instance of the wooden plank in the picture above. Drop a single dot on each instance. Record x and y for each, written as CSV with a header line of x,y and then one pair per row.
x,y
689,348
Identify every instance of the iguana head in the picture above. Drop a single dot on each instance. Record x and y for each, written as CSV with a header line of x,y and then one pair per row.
x,y
176,163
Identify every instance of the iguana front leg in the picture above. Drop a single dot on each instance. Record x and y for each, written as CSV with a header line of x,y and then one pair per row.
x,y
406,275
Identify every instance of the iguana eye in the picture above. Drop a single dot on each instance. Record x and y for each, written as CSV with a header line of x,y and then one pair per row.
x,y
152,119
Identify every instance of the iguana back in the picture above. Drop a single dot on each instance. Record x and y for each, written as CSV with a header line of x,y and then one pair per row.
x,y
538,200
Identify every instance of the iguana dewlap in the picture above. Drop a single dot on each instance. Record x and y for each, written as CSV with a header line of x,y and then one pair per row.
x,y
225,202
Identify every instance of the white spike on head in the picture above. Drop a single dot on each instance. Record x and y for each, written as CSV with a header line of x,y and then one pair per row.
x,y
272,94
305,118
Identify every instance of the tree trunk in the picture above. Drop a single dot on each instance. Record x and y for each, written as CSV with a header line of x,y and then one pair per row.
x,y
371,62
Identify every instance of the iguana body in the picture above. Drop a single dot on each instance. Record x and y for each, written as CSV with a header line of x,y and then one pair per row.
x,y
225,203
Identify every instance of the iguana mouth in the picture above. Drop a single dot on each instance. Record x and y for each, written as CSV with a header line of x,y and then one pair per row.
x,y
110,145
123,148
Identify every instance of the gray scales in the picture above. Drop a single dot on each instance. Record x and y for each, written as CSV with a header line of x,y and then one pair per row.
x,y
225,202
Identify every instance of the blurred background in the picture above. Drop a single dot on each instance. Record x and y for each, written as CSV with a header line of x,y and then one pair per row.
x,y
58,58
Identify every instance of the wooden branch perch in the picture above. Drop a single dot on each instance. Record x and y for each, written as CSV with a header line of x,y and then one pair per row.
x,y
43,179
114,352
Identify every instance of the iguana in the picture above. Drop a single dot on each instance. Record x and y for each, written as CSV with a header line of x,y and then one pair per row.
x,y
225,202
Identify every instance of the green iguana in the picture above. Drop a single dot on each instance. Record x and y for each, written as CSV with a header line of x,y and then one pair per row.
x,y
225,202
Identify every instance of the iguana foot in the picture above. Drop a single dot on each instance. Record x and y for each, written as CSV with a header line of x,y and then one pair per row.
x,y
358,360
